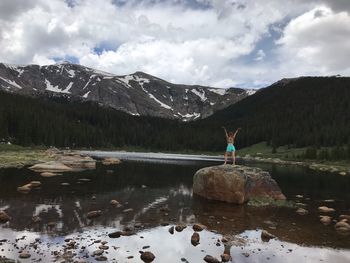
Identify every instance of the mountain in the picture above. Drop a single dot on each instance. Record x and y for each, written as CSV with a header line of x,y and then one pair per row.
x,y
302,112
137,94
299,112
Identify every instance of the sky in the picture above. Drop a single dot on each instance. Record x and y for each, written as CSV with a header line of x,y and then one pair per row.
x,y
219,43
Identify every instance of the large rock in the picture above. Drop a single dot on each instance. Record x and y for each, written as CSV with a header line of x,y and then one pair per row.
x,y
235,184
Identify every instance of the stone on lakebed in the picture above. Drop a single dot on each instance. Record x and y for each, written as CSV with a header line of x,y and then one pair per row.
x,y
235,184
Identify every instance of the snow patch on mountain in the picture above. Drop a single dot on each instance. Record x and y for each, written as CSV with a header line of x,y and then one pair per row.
x,y
66,90
52,88
218,91
71,73
200,94
159,102
192,116
251,91
86,94
12,83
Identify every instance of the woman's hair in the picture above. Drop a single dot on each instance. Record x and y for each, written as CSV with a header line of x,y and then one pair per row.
x,y
230,134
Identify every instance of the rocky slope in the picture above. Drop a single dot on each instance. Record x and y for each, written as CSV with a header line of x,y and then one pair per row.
x,y
137,94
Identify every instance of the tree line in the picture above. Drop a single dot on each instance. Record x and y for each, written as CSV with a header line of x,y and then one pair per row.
x,y
309,112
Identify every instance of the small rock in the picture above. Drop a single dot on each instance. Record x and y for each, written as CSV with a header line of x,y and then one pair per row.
x,y
325,209
98,252
266,236
111,161
347,217
198,227
225,257
210,259
48,174
24,254
103,247
342,227
65,184
101,258
342,173
128,210
299,196
171,230
116,234
25,189
179,228
302,211
4,217
147,256
94,214
35,183
114,202
326,220
195,239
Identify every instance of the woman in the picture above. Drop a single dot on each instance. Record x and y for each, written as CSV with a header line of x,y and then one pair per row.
x,y
230,138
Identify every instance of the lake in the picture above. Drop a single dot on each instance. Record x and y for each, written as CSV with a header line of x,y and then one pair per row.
x,y
155,194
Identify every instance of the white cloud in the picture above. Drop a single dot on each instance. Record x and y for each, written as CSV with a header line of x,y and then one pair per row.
x,y
207,42
318,41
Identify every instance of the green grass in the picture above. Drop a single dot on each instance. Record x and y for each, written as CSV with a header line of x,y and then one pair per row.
x,y
18,156
265,151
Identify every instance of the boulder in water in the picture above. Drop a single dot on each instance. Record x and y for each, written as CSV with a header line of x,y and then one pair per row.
x,y
235,184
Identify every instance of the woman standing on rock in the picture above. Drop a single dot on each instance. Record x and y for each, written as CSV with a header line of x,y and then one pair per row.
x,y
230,138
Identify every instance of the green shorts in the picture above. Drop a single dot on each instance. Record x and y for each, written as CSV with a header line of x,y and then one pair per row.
x,y
230,148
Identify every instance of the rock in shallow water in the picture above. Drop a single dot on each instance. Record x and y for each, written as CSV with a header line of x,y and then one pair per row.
x,y
4,217
210,259
235,184
147,256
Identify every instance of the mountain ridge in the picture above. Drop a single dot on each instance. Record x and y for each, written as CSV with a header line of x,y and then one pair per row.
x,y
136,94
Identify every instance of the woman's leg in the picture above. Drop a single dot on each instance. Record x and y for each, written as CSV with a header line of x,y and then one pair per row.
x,y
225,155
233,158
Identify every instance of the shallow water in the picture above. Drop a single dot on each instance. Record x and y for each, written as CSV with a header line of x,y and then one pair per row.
x,y
148,186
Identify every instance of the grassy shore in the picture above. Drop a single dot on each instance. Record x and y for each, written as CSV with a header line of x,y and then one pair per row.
x,y
18,156
264,153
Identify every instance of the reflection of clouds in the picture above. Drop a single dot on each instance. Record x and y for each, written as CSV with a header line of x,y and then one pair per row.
x,y
182,190
171,248
43,208
279,251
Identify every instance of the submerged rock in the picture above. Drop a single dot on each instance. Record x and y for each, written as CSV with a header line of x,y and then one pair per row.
x,y
326,220
51,167
4,217
302,211
235,184
110,161
342,227
325,209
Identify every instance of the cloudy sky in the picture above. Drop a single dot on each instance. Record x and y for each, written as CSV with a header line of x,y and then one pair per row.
x,y
221,43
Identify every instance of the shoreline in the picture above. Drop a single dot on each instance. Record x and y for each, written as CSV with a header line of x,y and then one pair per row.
x,y
19,158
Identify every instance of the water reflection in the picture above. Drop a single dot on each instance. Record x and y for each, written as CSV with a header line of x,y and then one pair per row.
x,y
154,194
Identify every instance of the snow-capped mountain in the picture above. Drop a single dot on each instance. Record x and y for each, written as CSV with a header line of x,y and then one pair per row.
x,y
136,94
